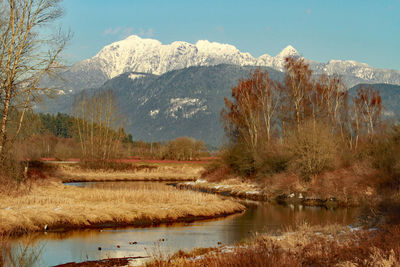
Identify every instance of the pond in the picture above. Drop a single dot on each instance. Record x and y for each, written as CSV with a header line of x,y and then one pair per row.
x,y
81,245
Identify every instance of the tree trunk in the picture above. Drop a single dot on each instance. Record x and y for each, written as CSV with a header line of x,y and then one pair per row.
x,y
3,129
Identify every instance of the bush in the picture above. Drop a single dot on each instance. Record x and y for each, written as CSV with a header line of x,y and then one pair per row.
x,y
313,149
240,159
272,160
383,153
267,160
184,148
384,157
12,167
216,171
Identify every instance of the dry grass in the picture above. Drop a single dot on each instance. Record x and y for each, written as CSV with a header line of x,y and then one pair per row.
x,y
235,187
309,246
155,172
353,185
59,206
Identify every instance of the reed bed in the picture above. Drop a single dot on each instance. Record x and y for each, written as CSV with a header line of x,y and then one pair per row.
x,y
155,172
56,206
308,246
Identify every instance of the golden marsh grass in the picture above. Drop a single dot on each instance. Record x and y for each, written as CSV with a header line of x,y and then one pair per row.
x,y
61,206
158,172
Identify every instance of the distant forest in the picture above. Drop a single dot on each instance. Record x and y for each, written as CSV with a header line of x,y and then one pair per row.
x,y
57,136
63,126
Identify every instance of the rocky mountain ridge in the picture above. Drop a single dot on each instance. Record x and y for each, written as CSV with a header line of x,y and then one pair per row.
x,y
187,101
136,54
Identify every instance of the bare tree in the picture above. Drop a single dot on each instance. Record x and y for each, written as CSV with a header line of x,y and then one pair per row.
x,y
27,53
252,114
368,105
297,88
98,124
305,97
269,98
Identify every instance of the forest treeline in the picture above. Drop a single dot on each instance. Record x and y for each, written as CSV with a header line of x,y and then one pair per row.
x,y
56,136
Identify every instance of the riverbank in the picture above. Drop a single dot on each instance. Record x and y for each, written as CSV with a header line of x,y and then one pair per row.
x,y
51,206
136,172
307,246
233,187
345,187
118,242
245,189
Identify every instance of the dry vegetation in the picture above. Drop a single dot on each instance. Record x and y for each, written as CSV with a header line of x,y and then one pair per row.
x,y
354,185
234,187
309,246
139,172
308,137
64,207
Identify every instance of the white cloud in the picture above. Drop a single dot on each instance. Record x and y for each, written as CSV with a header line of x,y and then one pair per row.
x,y
122,31
146,32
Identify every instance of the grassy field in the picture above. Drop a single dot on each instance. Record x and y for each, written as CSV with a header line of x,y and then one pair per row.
x,y
138,172
308,246
55,206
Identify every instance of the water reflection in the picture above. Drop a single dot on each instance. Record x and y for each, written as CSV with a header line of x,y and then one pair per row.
x,y
120,185
83,245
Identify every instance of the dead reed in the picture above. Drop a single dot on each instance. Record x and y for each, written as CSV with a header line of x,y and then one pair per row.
x,y
55,205
309,246
155,172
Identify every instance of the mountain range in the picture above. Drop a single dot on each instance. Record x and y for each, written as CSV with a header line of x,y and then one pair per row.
x,y
187,102
135,54
167,91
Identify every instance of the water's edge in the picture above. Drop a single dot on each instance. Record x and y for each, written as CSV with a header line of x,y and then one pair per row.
x,y
108,241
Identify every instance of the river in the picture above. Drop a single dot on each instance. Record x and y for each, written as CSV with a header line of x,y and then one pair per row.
x,y
81,245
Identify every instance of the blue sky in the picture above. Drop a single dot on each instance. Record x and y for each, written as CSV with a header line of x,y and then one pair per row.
x,y
363,30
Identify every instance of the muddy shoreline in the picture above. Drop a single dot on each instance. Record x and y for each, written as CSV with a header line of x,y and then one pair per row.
x,y
294,198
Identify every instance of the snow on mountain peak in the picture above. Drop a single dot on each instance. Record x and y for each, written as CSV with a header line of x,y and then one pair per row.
x,y
347,62
206,46
136,54
288,51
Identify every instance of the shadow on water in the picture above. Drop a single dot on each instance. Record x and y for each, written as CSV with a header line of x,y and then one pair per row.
x,y
82,245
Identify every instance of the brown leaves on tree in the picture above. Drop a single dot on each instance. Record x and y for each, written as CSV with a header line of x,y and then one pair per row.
x,y
260,106
368,108
250,115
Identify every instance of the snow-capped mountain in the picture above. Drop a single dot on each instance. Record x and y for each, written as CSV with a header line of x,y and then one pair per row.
x,y
151,56
188,102
135,54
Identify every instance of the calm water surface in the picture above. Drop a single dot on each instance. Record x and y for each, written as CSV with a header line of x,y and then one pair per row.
x,y
81,245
